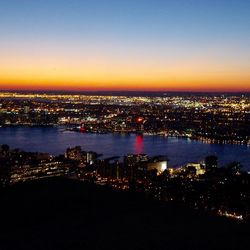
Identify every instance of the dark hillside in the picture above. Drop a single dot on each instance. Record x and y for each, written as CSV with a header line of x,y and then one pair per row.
x,y
63,214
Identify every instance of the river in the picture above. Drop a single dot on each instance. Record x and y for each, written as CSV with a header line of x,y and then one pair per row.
x,y
179,151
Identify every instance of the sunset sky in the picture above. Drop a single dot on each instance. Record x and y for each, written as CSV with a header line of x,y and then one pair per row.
x,y
194,45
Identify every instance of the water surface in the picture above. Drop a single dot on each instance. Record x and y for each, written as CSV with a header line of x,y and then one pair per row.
x,y
179,151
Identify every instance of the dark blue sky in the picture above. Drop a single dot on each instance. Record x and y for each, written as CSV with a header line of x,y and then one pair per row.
x,y
155,19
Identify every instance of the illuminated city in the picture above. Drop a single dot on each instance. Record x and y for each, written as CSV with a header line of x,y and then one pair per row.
x,y
217,118
124,125
210,118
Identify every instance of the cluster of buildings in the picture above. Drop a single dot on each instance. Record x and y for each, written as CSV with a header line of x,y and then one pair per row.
x,y
224,191
210,118
19,166
133,167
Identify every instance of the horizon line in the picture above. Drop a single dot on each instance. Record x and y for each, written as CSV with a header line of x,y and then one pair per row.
x,y
120,91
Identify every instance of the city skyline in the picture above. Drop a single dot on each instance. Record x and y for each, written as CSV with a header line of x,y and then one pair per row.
x,y
125,45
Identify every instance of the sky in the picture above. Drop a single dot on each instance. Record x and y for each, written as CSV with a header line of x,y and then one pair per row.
x,y
178,45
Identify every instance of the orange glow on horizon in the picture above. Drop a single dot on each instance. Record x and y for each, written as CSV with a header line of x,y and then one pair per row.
x,y
98,74
213,87
149,72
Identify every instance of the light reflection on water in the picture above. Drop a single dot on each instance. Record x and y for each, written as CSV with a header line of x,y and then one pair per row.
x,y
179,151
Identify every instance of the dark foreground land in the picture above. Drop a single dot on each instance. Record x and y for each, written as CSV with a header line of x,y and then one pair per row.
x,y
64,214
